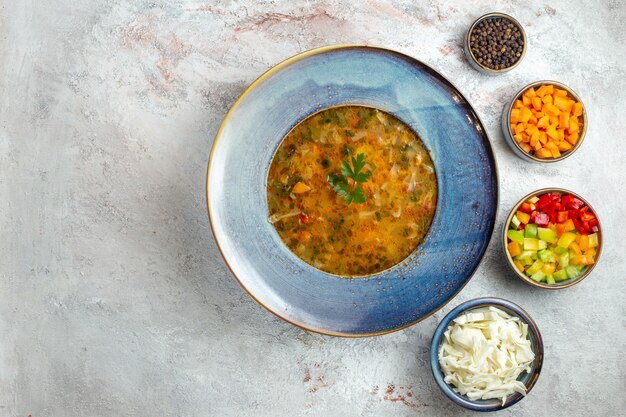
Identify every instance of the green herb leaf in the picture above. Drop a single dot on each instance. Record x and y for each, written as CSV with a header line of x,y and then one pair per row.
x,y
358,162
340,183
358,196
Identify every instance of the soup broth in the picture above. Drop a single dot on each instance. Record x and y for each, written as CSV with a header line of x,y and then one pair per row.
x,y
351,190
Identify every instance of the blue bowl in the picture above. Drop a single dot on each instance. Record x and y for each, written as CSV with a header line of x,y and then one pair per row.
x,y
529,379
466,205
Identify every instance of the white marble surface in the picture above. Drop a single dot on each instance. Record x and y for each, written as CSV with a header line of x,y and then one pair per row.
x,y
113,298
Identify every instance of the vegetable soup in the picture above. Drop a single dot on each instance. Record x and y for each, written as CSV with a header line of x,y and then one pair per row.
x,y
351,190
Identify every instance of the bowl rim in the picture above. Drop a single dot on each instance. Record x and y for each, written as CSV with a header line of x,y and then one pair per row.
x,y
509,132
274,69
487,16
472,304
541,284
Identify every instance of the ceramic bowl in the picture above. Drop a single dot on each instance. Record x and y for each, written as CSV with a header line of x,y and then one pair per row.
x,y
466,178
528,378
559,284
508,134
472,59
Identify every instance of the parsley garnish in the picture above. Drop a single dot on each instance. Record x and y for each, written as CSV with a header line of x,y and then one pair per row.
x,y
340,182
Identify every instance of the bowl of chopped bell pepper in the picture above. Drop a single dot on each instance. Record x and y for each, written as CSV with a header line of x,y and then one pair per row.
x,y
552,238
545,122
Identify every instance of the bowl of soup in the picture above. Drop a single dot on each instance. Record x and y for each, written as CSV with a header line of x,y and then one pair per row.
x,y
352,190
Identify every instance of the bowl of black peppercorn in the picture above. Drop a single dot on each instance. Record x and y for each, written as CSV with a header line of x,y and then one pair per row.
x,y
495,43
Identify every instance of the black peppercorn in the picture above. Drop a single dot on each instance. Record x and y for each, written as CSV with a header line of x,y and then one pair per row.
x,y
496,43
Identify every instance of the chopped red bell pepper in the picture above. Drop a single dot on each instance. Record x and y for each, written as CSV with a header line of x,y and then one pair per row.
x,y
566,200
582,227
546,200
552,215
576,203
586,216
571,202
304,218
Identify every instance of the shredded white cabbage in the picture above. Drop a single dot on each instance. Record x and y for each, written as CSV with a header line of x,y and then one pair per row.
x,y
483,353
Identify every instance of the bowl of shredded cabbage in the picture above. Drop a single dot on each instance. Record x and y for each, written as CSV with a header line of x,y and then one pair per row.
x,y
486,354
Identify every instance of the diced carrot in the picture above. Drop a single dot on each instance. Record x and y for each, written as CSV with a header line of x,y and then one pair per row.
x,y
525,115
300,188
514,116
518,104
561,133
534,140
551,132
519,128
537,104
573,124
560,93
542,91
530,129
564,146
554,150
543,153
578,109
572,138
547,100
518,265
530,92
552,110
554,121
543,122
525,146
526,100
543,137
563,103
535,137
564,120
518,137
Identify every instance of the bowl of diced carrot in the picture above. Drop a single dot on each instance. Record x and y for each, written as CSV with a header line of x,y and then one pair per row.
x,y
552,238
545,122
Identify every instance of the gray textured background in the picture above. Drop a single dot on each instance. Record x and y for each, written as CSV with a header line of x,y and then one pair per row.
x,y
113,298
